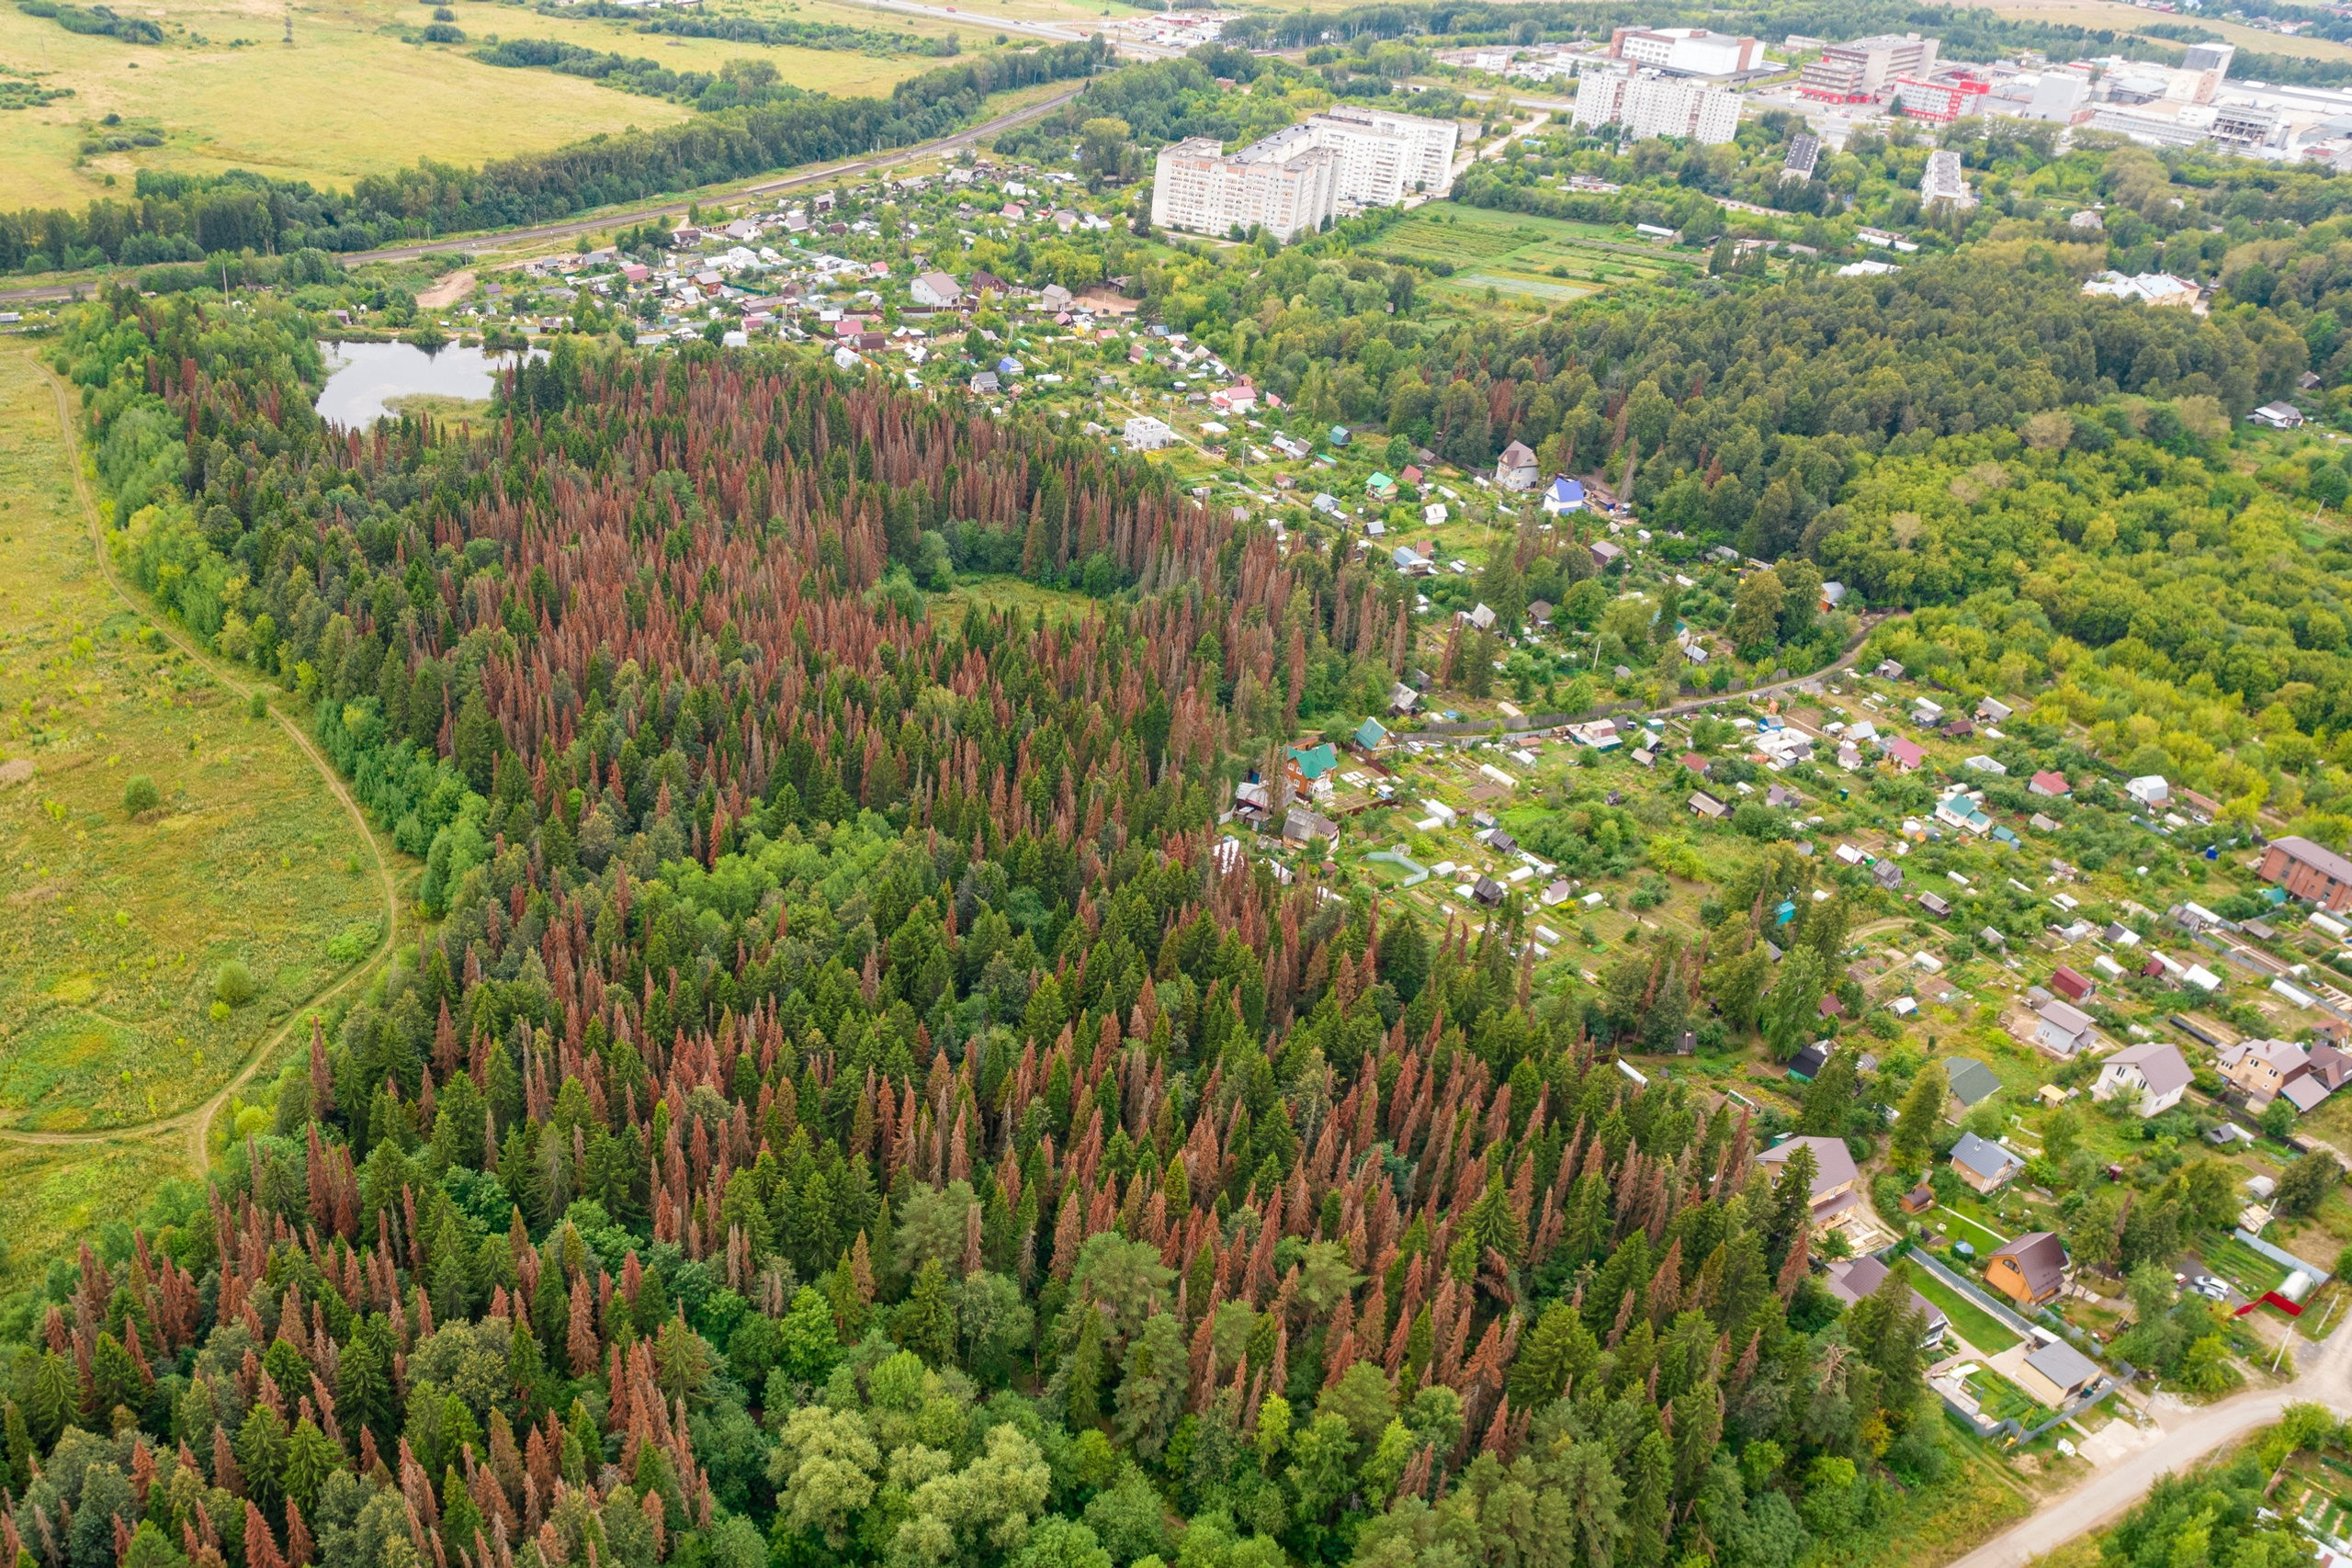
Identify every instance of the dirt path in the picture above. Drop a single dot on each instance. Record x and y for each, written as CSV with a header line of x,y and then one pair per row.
x,y
197,1122
448,291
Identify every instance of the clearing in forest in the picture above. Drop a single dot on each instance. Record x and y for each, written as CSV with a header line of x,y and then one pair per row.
x,y
147,952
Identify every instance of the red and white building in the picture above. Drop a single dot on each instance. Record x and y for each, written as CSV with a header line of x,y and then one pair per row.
x,y
1942,99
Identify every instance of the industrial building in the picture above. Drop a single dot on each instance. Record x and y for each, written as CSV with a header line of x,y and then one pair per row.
x,y
1690,51
1858,69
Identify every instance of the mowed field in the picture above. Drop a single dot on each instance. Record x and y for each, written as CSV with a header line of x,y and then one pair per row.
x,y
1543,260
116,927
2115,16
351,96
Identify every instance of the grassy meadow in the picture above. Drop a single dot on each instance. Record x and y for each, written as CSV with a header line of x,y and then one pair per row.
x,y
2122,19
118,928
1547,262
351,95
994,594
50,1197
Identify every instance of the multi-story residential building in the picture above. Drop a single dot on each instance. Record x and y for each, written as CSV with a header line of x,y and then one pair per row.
x,y
1686,51
1861,68
1303,175
1385,156
1287,187
1805,155
1944,180
1646,103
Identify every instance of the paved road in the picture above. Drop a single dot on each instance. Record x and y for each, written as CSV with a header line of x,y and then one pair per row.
x,y
571,227
2108,1492
195,1122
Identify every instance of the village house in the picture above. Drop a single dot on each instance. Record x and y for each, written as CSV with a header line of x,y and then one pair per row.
x,y
937,290
1835,1178
1515,471
2309,871
2261,1069
1851,1279
1971,1083
2057,1373
1982,1164
2063,1029
1307,766
2153,1074
2029,1271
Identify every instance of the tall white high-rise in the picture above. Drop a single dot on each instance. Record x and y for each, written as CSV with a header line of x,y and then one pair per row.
x,y
1284,187
1644,103
1292,181
1385,156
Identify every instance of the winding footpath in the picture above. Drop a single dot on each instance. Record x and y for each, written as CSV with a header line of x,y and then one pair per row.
x,y
196,1122
2324,1376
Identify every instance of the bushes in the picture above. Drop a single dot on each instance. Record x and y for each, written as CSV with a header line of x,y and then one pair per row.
x,y
140,796
234,984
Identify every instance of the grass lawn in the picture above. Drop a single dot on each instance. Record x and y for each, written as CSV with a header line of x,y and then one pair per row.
x,y
1974,1231
1005,592
1976,1325
1542,262
1977,1498
117,927
50,1197
316,110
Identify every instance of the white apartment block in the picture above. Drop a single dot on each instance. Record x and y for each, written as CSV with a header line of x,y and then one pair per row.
x,y
1646,103
1292,181
1945,180
1385,156
1287,189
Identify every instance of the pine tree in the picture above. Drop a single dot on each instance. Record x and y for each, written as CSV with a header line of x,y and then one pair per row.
x,y
925,1321
1083,1370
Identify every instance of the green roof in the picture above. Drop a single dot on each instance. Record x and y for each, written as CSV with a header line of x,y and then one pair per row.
x,y
1372,734
1316,760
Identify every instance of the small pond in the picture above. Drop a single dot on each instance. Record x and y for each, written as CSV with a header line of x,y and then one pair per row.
x,y
363,376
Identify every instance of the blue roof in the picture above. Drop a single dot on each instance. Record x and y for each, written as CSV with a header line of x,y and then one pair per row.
x,y
1316,760
1405,556
1009,365
1565,491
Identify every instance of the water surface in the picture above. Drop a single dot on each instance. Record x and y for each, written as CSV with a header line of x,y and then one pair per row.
x,y
362,376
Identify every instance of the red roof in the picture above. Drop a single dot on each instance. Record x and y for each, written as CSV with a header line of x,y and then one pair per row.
x,y
1695,763
2048,784
1905,753
2070,983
